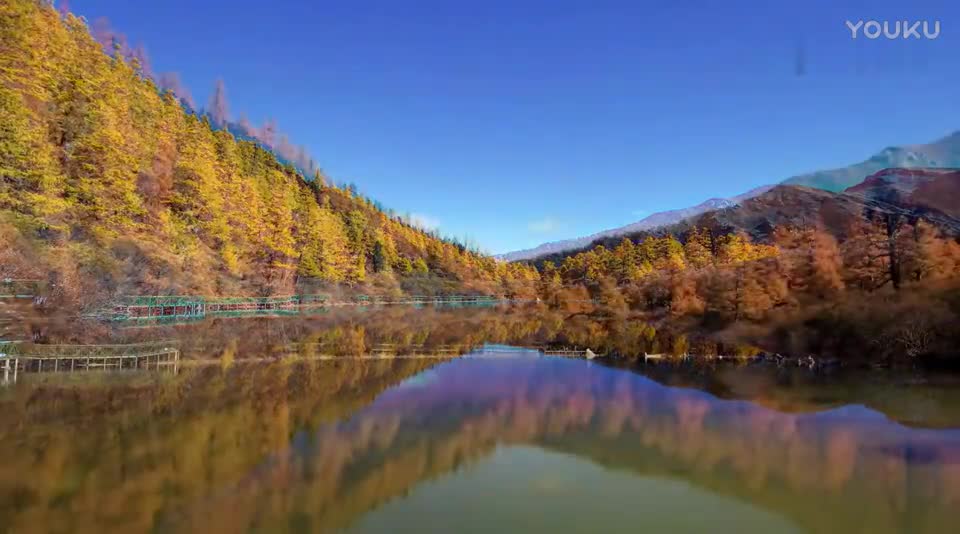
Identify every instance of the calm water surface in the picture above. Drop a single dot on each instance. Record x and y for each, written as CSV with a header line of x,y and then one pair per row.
x,y
488,442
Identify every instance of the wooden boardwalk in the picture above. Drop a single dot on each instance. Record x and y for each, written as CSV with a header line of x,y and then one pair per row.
x,y
12,288
16,358
175,308
386,351
586,354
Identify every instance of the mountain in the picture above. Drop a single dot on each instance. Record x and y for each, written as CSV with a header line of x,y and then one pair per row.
x,y
944,153
936,189
656,220
930,194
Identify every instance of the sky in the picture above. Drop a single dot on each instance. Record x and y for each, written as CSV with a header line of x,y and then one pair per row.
x,y
512,123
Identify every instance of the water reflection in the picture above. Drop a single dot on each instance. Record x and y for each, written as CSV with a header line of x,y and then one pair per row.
x,y
537,490
124,451
267,438
318,446
840,470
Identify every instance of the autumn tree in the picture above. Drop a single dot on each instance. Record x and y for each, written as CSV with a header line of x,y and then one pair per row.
x,y
812,260
873,252
697,249
749,290
890,224
323,245
669,253
684,296
610,298
927,254
760,286
623,260
170,81
738,248
550,282
218,109
267,133
384,252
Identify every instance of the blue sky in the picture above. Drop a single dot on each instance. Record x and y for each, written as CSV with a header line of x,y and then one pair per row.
x,y
511,123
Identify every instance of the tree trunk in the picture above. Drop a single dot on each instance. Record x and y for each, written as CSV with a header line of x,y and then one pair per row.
x,y
893,231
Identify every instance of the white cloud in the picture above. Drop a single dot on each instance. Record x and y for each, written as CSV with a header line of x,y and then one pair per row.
x,y
425,222
544,226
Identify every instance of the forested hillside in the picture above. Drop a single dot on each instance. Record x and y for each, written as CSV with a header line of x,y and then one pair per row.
x,y
108,186
889,285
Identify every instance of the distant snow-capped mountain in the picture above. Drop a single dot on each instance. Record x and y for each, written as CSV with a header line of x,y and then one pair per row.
x,y
663,218
943,153
929,194
931,189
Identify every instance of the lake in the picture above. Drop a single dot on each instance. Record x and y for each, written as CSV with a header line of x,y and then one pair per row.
x,y
268,437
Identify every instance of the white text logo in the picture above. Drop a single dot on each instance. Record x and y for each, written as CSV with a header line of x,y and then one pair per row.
x,y
895,29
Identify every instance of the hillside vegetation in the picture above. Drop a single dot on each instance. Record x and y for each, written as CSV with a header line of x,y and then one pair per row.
x,y
110,186
887,287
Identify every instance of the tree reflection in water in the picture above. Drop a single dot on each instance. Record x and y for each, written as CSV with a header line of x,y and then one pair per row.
x,y
298,444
